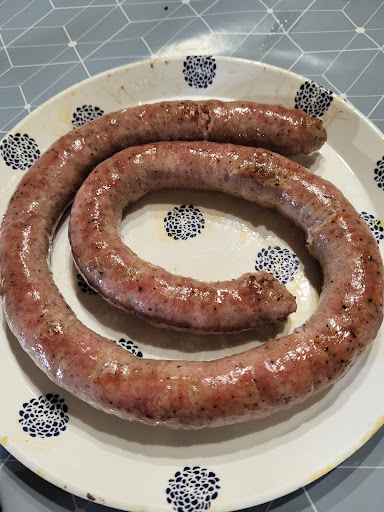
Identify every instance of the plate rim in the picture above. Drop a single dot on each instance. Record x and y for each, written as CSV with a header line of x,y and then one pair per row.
x,y
69,486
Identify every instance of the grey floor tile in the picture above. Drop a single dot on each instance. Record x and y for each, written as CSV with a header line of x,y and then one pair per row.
x,y
74,75
29,15
69,55
314,63
347,67
321,21
225,44
160,35
201,6
85,21
228,6
295,502
10,8
255,46
9,34
10,116
58,17
283,54
42,36
371,80
144,11
35,55
46,75
377,20
298,5
11,96
3,453
242,23
134,30
196,35
362,42
378,113
377,35
120,49
106,28
379,123
278,22
360,12
352,490
331,5
5,64
17,76
364,104
323,41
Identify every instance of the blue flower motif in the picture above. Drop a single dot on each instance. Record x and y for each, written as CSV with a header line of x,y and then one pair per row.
x,y
85,114
379,173
184,222
45,416
83,285
199,71
192,489
281,263
130,346
313,99
19,151
374,225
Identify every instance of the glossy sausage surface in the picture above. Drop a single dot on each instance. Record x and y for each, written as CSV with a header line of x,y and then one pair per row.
x,y
193,394
152,293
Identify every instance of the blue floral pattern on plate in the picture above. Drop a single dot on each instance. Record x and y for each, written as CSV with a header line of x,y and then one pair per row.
x,y
83,285
45,416
379,173
130,346
184,222
313,99
199,71
281,263
85,114
19,151
374,225
192,489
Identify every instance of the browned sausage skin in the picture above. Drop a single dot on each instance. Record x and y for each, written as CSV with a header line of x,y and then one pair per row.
x,y
191,394
151,292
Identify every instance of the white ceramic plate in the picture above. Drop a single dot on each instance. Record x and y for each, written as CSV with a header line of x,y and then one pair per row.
x,y
134,467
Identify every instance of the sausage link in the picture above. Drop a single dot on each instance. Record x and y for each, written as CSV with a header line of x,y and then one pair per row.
x,y
190,394
151,292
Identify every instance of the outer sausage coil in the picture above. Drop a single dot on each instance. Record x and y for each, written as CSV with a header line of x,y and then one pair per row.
x,y
191,394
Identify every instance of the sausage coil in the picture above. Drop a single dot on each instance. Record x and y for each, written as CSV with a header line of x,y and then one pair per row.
x,y
193,394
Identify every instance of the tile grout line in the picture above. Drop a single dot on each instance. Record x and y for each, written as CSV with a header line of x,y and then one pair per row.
x,y
27,29
199,16
25,99
76,51
376,105
162,49
147,45
284,31
369,19
247,35
337,56
93,26
360,75
55,82
310,499
23,9
160,22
